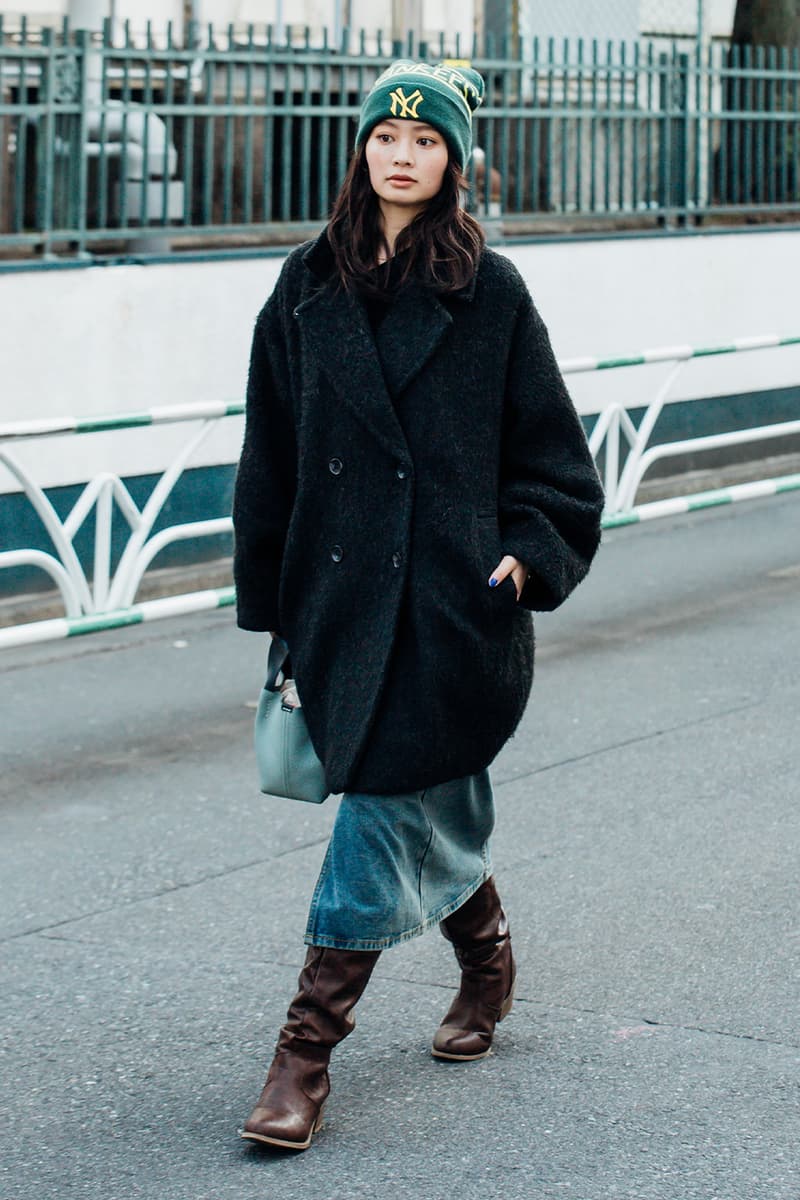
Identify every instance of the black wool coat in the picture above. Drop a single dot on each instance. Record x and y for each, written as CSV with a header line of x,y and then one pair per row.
x,y
380,482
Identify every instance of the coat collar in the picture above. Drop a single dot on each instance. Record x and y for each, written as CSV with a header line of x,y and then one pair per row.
x,y
319,260
367,375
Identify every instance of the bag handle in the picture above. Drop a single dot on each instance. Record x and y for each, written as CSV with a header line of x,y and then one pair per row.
x,y
277,661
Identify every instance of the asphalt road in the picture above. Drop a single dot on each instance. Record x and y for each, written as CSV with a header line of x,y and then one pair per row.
x,y
152,906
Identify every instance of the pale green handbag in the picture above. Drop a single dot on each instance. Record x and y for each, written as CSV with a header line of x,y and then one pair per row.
x,y
287,762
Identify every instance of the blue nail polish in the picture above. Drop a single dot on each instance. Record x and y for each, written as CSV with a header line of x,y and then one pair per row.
x,y
493,582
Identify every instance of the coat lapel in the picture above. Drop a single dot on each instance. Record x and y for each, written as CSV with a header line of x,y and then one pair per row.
x,y
409,335
345,351
365,373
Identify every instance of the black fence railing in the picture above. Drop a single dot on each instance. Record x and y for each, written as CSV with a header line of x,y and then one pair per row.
x,y
108,144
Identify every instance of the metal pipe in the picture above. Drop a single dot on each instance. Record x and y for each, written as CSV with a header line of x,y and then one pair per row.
x,y
139,128
137,136
626,493
56,571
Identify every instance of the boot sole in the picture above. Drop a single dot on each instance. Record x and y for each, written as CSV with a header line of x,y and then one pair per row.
x,y
263,1140
504,1011
460,1057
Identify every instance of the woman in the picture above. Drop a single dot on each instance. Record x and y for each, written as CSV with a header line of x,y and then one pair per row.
x,y
414,480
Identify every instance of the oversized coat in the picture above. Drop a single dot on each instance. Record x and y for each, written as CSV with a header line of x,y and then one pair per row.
x,y
380,482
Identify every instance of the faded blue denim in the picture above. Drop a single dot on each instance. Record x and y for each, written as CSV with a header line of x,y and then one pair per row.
x,y
396,865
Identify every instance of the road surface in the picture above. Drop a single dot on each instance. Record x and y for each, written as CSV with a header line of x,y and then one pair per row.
x,y
153,905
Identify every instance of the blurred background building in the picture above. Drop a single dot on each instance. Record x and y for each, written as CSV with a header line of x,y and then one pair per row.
x,y
426,19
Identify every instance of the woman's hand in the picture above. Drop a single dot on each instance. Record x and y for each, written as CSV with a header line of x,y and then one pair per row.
x,y
513,567
289,694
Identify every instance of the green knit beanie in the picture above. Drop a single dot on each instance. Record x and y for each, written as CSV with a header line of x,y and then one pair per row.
x,y
444,96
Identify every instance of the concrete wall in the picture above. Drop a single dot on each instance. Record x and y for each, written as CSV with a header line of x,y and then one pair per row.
x,y
126,338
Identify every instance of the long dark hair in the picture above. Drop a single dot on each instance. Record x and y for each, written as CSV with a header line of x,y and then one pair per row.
x,y
440,247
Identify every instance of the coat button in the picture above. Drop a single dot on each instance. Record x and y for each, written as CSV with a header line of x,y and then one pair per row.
x,y
337,553
397,559
296,313
335,466
401,473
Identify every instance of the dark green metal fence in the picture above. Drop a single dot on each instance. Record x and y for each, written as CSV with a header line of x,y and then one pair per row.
x,y
145,144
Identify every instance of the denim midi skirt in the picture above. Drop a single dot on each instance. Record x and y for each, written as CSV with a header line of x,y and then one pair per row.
x,y
396,865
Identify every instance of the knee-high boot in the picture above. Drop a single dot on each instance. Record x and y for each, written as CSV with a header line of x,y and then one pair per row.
x,y
482,943
289,1109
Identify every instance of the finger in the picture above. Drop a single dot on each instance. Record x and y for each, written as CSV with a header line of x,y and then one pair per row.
x,y
503,568
519,575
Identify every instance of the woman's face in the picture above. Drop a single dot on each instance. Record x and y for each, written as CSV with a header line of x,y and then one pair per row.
x,y
407,161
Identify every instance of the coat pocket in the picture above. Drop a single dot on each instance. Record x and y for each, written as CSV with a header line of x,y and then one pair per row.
x,y
490,551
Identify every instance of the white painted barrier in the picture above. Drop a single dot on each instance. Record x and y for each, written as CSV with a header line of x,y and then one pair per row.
x,y
123,338
108,602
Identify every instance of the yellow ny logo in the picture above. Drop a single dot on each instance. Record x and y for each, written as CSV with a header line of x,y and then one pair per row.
x,y
405,106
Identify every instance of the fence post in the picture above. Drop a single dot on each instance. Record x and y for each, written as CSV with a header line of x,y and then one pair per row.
x,y
703,92
87,96
45,143
674,141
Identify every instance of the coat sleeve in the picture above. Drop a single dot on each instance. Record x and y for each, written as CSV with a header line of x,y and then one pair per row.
x,y
550,497
266,476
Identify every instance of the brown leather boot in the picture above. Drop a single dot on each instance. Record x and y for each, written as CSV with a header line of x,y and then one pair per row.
x,y
289,1109
480,937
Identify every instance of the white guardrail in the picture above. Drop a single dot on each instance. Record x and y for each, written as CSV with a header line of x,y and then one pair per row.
x,y
108,603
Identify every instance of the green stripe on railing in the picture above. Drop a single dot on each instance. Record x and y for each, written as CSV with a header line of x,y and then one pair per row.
x,y
608,364
710,351
94,624
122,421
676,506
137,614
617,519
115,421
661,354
709,500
